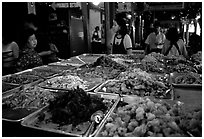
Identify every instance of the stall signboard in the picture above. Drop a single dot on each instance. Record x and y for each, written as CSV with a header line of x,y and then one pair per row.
x,y
124,7
68,5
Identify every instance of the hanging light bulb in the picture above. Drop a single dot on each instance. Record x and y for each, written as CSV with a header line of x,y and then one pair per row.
x,y
96,3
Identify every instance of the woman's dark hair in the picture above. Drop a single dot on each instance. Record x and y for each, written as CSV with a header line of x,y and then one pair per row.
x,y
121,20
31,18
172,35
7,36
26,35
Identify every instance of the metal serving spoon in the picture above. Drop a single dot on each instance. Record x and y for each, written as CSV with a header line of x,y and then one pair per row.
x,y
95,118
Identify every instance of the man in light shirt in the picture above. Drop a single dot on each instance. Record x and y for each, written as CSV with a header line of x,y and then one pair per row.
x,y
155,40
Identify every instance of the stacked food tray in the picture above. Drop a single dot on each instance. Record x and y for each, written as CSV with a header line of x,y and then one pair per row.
x,y
35,121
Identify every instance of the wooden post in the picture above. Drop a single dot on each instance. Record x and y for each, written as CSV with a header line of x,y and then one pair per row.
x,y
133,22
85,19
107,26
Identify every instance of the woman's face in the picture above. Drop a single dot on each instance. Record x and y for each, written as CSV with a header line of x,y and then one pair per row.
x,y
115,27
32,41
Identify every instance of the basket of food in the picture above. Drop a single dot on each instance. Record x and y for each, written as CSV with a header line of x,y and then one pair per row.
x,y
70,113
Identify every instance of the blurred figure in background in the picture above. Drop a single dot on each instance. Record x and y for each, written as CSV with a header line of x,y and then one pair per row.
x,y
96,40
47,50
173,45
121,42
28,57
155,40
195,43
10,53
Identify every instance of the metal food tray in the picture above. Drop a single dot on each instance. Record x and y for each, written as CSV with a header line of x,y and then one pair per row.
x,y
16,88
130,99
61,67
34,79
193,86
99,88
27,122
172,80
15,114
91,86
60,64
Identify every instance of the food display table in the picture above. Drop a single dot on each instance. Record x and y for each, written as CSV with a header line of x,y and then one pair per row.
x,y
120,82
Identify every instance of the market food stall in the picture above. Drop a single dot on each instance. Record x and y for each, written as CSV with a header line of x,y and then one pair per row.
x,y
128,95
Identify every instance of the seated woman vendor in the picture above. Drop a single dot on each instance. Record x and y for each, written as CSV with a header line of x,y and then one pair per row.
x,y
10,53
28,58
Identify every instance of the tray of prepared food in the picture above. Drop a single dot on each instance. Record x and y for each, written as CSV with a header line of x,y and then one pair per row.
x,y
186,80
21,79
61,68
46,72
9,87
147,117
89,58
65,63
21,103
73,61
67,82
191,96
70,113
98,72
136,86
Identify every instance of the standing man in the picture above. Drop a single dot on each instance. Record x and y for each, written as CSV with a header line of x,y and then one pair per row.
x,y
155,40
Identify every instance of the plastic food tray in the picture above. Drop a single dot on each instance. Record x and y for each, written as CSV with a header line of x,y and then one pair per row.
x,y
27,122
92,84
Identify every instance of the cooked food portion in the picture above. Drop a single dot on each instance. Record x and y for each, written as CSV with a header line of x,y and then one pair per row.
x,y
20,79
66,82
136,82
33,97
147,118
197,58
71,111
188,78
181,68
104,67
105,61
153,62
7,86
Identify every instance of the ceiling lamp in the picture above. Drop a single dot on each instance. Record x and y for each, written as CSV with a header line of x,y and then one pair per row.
x,y
96,3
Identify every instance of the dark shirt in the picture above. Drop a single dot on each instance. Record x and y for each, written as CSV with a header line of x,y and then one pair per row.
x,y
28,59
119,48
